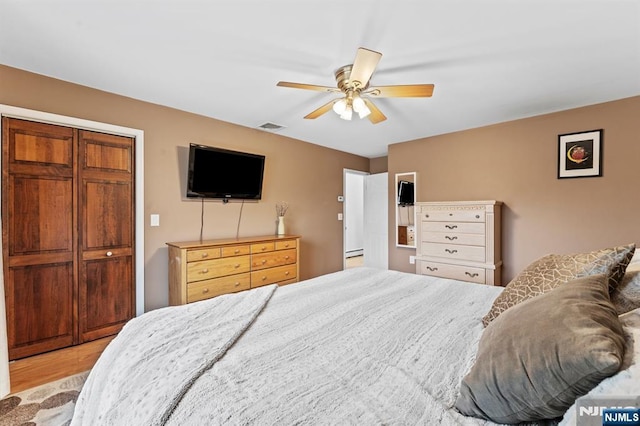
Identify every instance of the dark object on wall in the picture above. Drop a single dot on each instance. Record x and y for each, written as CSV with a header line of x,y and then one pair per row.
x,y
220,173
405,193
580,154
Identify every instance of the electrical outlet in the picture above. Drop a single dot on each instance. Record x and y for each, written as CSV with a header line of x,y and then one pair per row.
x,y
339,216
412,260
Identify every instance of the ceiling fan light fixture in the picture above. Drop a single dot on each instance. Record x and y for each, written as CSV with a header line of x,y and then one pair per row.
x,y
364,112
348,112
340,106
360,106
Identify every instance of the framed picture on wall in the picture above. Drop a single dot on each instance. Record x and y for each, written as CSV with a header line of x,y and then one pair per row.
x,y
580,154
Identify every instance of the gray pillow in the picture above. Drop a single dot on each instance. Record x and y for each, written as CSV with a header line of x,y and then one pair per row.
x,y
537,357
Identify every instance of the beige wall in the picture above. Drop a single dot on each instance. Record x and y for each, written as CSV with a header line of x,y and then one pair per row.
x,y
308,177
516,162
378,165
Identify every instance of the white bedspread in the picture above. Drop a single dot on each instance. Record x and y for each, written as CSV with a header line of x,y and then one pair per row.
x,y
147,368
358,347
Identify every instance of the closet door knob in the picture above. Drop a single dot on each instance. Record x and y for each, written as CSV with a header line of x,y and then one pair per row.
x,y
109,254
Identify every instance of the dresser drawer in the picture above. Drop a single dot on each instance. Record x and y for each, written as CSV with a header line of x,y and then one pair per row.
x,y
198,271
456,272
263,247
453,215
462,227
203,254
275,258
454,237
286,244
206,289
452,251
273,275
229,251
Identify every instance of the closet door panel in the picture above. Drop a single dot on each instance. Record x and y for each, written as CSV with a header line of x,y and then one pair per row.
x,y
36,292
42,219
107,215
107,277
39,236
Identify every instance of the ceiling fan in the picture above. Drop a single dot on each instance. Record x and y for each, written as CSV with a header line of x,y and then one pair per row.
x,y
353,82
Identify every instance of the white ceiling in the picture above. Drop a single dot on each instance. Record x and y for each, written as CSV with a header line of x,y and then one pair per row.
x,y
490,61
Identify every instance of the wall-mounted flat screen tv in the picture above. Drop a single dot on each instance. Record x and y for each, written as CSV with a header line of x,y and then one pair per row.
x,y
221,173
405,193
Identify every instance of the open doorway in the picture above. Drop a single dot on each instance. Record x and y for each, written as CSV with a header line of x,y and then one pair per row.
x,y
353,218
365,219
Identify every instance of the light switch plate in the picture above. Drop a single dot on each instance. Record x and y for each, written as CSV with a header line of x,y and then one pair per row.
x,y
155,220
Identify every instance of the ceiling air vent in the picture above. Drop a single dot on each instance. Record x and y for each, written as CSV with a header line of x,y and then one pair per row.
x,y
270,127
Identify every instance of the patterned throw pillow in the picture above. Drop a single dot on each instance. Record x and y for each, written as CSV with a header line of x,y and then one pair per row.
x,y
553,270
626,297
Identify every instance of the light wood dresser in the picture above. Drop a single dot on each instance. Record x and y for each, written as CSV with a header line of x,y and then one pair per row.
x,y
200,270
459,240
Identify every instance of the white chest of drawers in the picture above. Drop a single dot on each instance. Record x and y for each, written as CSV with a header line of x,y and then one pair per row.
x,y
459,240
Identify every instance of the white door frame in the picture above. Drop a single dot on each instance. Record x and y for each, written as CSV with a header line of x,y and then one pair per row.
x,y
45,117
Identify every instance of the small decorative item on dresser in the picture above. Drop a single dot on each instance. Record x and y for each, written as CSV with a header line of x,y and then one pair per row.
x,y
281,209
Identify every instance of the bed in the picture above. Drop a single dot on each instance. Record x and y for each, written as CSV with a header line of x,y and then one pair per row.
x,y
361,346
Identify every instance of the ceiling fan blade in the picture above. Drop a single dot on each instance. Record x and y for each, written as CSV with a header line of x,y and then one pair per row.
x,y
307,86
363,67
402,91
376,115
323,109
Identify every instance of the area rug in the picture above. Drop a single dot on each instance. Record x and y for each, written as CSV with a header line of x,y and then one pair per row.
x,y
50,404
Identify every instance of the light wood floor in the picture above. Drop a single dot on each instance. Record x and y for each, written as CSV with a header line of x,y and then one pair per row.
x,y
354,261
44,368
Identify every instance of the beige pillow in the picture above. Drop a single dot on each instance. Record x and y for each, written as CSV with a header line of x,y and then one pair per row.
x,y
538,357
553,270
626,297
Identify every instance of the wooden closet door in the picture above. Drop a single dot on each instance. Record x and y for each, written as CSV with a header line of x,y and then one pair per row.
x,y
107,275
39,236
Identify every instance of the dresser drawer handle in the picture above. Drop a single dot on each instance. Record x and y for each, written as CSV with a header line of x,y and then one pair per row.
x,y
264,261
236,251
450,214
263,248
109,254
426,215
451,251
286,273
286,258
205,271
236,284
286,245
431,269
205,254
264,278
237,265
450,238
205,290
451,226
477,216
475,274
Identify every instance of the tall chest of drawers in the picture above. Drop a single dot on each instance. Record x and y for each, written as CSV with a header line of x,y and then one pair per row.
x,y
200,270
459,240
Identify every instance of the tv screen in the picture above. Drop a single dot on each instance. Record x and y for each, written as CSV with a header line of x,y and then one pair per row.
x,y
221,173
405,193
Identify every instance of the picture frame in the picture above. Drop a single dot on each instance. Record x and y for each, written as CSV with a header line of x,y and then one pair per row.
x,y
580,154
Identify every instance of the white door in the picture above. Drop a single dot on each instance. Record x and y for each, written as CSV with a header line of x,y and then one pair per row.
x,y
376,221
